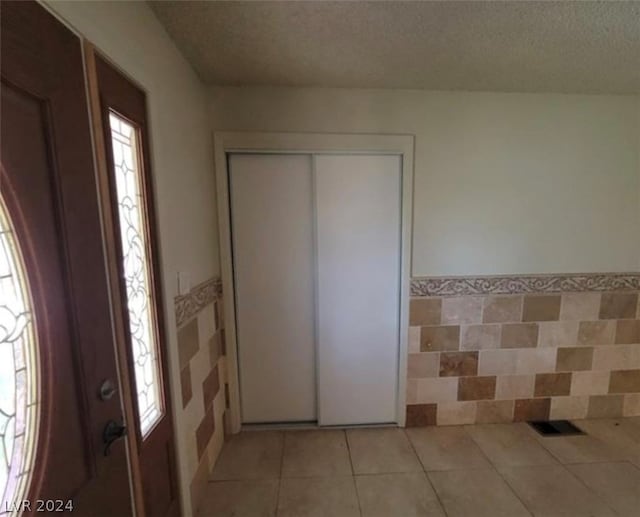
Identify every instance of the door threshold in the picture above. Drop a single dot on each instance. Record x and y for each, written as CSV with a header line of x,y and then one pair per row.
x,y
309,426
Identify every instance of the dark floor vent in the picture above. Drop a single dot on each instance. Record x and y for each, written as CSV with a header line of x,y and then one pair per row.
x,y
556,428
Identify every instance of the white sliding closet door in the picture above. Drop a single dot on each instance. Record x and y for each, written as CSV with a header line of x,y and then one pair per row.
x,y
358,288
272,228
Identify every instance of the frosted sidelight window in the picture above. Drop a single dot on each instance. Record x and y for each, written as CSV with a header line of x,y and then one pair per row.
x,y
137,271
19,371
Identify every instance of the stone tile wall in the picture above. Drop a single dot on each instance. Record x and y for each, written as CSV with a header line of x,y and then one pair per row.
x,y
477,358
201,350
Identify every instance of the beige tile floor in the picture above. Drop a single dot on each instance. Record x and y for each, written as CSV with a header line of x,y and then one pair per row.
x,y
476,471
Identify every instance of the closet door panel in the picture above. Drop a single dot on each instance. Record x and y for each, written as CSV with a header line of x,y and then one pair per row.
x,y
272,228
358,266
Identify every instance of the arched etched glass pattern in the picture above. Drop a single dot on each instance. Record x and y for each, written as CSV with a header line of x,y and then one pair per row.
x,y
135,253
19,371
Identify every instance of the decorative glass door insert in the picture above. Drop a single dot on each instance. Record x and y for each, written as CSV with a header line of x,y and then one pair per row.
x,y
130,201
19,371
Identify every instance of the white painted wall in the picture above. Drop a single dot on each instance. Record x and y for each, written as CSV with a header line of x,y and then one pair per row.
x,y
504,183
182,153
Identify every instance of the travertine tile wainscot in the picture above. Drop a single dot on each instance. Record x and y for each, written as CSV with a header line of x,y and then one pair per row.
x,y
509,349
201,349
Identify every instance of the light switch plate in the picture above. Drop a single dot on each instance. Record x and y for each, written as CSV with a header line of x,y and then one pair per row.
x,y
184,283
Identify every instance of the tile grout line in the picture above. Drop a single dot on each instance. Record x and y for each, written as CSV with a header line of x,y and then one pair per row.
x,y
563,466
528,433
632,463
495,468
353,471
575,476
551,453
424,470
559,463
284,443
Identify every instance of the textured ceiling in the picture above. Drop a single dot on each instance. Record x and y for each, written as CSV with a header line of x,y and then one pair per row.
x,y
576,47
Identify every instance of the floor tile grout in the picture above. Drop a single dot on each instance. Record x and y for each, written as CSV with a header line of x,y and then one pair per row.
x,y
426,474
564,465
284,445
577,478
346,440
353,472
608,439
559,463
495,467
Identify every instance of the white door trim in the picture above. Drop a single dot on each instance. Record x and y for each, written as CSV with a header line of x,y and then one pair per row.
x,y
311,143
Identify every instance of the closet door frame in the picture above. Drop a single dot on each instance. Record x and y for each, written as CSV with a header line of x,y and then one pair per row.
x,y
226,143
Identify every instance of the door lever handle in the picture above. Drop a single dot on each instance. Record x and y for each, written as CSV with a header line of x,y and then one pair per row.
x,y
113,431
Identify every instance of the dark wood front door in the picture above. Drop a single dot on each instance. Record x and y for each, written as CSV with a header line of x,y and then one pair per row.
x,y
48,187
122,141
